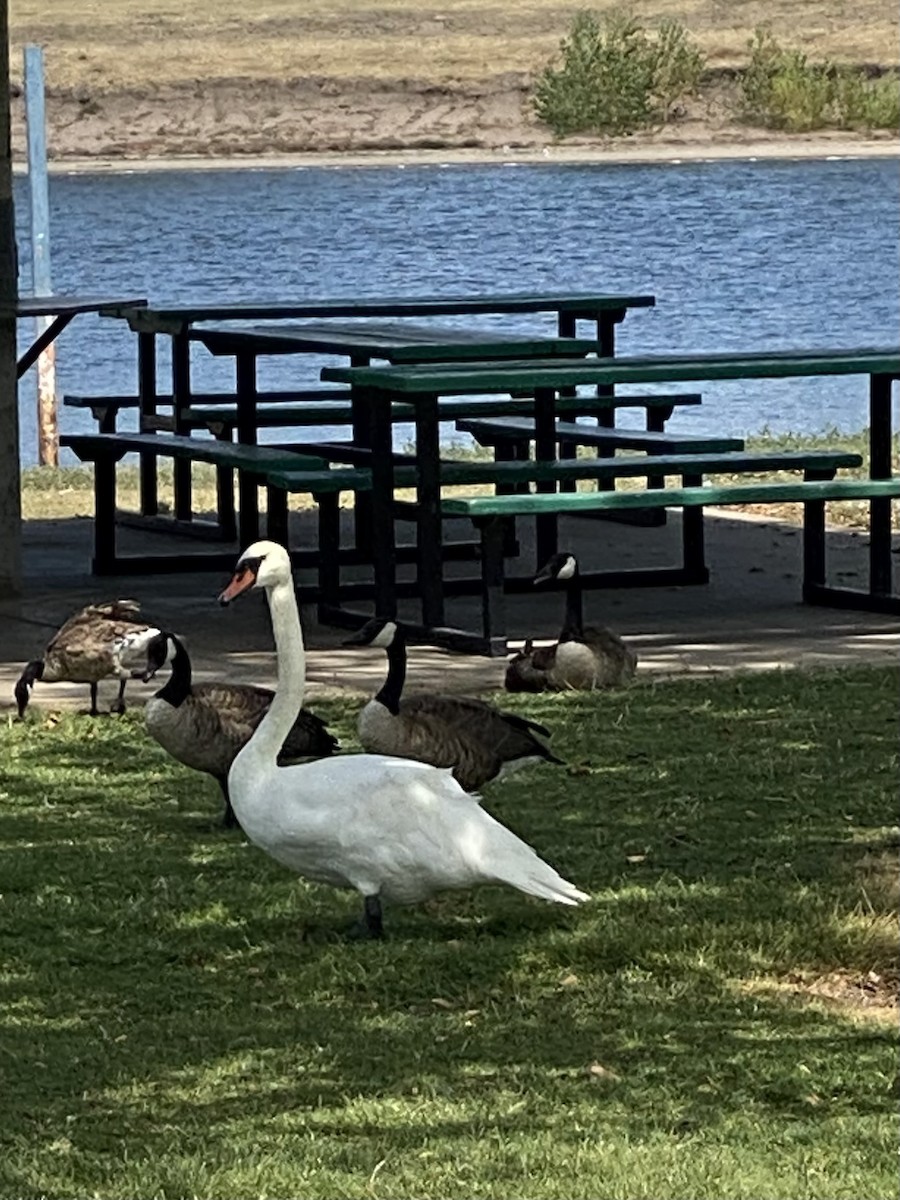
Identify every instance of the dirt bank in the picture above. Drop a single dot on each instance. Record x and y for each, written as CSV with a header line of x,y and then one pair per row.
x,y
252,119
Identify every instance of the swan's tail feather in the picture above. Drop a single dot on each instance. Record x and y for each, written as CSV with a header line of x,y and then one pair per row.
x,y
539,879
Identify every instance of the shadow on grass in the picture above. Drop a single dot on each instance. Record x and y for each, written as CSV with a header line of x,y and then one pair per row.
x,y
159,990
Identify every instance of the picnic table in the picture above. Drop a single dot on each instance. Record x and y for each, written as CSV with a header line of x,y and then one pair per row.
x,y
63,309
183,324
423,384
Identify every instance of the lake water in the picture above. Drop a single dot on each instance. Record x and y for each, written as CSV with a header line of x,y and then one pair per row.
x,y
740,256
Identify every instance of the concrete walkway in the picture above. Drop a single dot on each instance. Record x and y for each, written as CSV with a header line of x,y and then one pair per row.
x,y
748,618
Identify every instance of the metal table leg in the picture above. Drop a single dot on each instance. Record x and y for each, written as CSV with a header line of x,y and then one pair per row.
x,y
880,468
360,425
384,553
181,395
147,393
545,448
248,488
428,507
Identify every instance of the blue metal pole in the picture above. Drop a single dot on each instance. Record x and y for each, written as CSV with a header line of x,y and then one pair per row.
x,y
37,170
39,192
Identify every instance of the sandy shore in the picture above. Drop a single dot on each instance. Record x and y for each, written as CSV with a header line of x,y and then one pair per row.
x,y
823,147
365,123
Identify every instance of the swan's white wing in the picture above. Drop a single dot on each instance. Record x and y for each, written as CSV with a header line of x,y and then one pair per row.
x,y
391,826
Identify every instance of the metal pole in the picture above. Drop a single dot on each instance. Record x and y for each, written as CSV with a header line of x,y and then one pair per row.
x,y
47,421
10,486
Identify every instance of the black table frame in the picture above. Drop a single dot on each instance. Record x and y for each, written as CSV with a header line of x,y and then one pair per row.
x,y
179,323
422,387
63,309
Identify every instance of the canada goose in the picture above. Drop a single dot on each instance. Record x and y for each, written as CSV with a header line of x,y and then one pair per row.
x,y
391,828
204,725
581,659
478,741
93,644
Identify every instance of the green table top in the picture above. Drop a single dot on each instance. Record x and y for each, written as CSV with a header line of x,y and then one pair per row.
x,y
396,341
177,317
470,378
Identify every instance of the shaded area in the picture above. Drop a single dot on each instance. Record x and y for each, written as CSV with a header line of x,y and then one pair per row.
x,y
159,993
748,618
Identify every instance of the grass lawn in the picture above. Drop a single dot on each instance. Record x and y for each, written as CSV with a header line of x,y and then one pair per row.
x,y
714,1024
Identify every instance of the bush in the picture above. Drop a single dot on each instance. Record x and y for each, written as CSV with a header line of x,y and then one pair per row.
x,y
867,103
614,79
781,89
678,69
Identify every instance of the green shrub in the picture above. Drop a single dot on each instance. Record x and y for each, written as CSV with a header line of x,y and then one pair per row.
x,y
863,103
614,79
782,89
678,67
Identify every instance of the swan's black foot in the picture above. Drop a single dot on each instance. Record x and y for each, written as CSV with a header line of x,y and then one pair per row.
x,y
371,927
368,928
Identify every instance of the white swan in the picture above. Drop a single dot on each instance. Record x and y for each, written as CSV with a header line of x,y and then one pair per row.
x,y
391,828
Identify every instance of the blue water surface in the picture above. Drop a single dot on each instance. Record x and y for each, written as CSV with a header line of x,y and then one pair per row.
x,y
740,256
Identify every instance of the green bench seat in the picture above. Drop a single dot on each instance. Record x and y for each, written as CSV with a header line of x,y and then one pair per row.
x,y
333,402
690,468
222,416
310,474
460,473
489,514
511,437
507,430
331,406
93,446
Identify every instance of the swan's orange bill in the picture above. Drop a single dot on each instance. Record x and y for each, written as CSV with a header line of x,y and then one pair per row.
x,y
242,580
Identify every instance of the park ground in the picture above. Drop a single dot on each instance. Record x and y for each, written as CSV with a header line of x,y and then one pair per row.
x,y
183,1017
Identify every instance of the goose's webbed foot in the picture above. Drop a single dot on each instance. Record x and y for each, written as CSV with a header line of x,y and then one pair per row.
x,y
229,820
119,705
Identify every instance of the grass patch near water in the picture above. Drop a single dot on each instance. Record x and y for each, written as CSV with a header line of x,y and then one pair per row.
x,y
702,1029
49,492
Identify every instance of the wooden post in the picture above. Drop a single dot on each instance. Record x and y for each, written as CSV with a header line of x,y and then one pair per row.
x,y
47,421
10,487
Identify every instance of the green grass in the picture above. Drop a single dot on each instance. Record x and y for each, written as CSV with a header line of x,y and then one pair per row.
x,y
168,1032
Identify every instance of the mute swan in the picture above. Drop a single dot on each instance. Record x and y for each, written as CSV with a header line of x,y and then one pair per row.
x,y
93,644
204,725
391,828
478,741
582,659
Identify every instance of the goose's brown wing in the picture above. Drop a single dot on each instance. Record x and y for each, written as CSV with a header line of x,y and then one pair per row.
x,y
469,735
309,738
609,647
235,709
84,647
241,707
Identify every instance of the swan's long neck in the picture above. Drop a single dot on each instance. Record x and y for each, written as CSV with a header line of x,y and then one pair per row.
x,y
269,737
573,626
